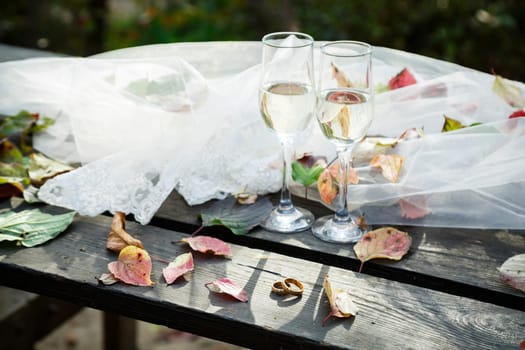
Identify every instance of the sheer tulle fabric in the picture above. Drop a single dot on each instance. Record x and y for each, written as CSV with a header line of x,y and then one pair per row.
x,y
149,120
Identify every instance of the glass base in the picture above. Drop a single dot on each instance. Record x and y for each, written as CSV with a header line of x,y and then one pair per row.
x,y
290,221
327,229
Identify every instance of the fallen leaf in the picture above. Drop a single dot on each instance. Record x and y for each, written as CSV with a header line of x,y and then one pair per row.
x,y
16,143
451,124
508,91
435,90
327,187
237,218
340,77
410,134
118,238
30,195
32,227
390,165
107,279
385,242
414,207
305,175
132,267
178,267
360,221
307,169
308,160
513,271
246,198
227,286
402,79
13,172
41,168
341,305
206,244
21,127
328,182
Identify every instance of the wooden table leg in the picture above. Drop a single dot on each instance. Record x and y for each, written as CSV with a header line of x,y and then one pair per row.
x,y
120,333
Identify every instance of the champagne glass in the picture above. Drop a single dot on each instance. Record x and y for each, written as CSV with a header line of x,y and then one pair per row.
x,y
286,101
344,111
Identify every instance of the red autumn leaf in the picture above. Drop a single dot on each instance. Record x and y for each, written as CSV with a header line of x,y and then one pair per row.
x,y
513,271
178,267
206,244
390,165
132,267
227,286
402,79
517,114
414,207
341,305
385,242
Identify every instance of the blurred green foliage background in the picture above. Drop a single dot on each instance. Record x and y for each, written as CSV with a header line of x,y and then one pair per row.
x,y
485,35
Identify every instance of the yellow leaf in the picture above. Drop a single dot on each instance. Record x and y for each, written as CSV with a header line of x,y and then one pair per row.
x,y
133,266
341,305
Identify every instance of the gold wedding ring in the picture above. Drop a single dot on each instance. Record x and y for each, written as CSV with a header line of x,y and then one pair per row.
x,y
279,288
293,286
290,286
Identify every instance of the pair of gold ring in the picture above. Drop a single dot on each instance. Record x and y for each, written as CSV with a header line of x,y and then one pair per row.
x,y
290,286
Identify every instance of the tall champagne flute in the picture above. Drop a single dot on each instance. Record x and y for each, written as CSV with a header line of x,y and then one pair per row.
x,y
344,111
286,101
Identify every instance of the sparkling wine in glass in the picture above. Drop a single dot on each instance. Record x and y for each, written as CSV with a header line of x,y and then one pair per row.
x,y
286,102
344,112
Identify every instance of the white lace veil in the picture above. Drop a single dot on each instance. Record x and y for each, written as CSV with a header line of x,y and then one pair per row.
x,y
148,120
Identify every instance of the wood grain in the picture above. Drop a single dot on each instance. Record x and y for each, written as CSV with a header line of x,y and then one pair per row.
x,y
392,315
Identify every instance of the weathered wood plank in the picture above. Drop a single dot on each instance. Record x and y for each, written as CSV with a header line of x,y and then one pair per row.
x,y
392,315
457,261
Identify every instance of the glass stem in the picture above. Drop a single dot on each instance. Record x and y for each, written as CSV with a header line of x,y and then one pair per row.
x,y
285,203
342,215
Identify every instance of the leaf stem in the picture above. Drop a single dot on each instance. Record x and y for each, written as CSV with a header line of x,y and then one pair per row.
x,y
197,230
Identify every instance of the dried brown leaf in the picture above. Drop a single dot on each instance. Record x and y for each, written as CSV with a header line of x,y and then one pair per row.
x,y
118,238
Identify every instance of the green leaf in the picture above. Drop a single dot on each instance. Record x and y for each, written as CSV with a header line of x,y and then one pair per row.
x,y
32,227
304,175
237,218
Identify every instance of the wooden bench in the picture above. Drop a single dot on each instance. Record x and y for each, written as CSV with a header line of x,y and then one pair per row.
x,y
446,293
393,315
